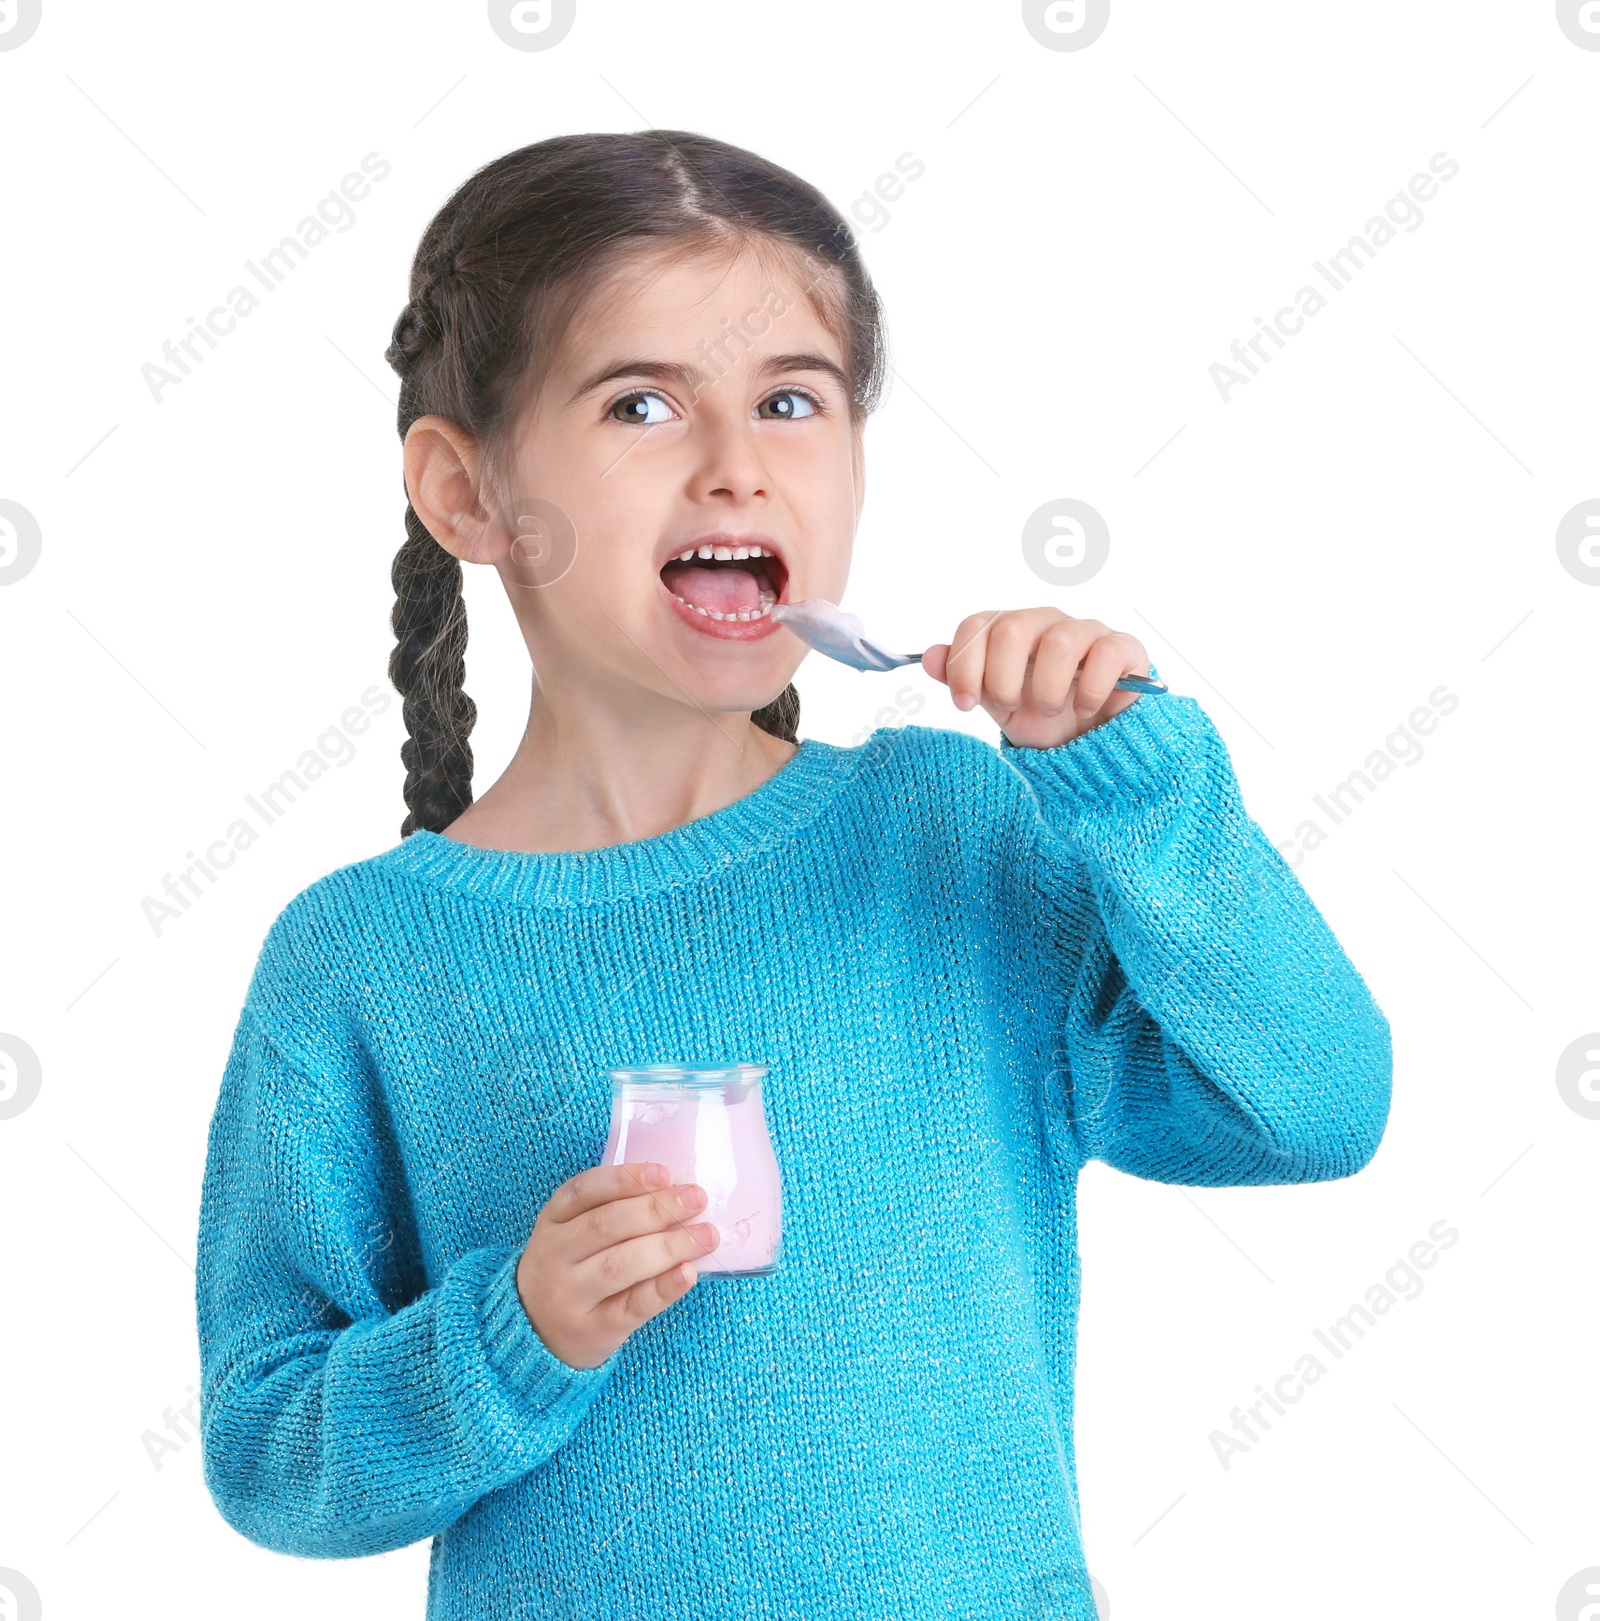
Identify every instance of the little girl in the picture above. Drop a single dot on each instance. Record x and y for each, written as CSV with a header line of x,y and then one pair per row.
x,y
635,375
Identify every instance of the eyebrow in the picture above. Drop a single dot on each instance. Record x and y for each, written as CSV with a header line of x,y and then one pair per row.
x,y
673,372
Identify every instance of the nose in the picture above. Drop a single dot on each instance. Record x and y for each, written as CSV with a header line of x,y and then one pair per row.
x,y
729,461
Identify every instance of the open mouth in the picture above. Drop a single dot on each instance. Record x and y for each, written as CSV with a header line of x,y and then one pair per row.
x,y
726,582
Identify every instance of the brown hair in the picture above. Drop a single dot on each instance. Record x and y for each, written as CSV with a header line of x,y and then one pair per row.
x,y
498,276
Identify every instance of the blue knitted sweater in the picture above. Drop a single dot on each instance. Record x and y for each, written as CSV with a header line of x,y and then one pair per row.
x,y
970,968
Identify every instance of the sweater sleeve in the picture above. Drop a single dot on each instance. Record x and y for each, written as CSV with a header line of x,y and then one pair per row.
x,y
1209,1028
345,1409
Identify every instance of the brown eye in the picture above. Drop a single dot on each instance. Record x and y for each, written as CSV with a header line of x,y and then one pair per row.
x,y
635,408
809,405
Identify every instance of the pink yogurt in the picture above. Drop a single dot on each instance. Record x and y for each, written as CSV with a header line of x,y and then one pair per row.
x,y
707,1126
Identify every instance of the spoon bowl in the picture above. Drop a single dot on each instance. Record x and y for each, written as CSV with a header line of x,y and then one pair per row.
x,y
839,634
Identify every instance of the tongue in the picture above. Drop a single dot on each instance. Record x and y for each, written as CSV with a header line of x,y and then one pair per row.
x,y
727,589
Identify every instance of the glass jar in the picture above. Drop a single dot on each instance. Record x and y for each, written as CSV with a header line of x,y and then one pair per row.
x,y
707,1126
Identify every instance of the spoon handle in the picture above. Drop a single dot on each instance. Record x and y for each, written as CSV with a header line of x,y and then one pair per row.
x,y
1129,683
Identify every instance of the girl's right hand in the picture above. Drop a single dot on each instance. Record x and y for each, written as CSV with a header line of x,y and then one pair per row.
x,y
606,1254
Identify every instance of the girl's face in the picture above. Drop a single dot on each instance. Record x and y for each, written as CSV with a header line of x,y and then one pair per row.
x,y
691,405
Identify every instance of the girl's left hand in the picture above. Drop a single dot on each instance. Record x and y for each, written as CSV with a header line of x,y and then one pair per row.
x,y
1019,664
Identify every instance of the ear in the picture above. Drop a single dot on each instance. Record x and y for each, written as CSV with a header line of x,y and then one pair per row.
x,y
442,467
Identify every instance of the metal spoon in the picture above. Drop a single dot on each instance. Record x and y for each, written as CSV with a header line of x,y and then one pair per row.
x,y
840,635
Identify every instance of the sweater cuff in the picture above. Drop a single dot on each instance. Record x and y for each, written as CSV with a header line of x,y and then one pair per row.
x,y
512,1347
1147,751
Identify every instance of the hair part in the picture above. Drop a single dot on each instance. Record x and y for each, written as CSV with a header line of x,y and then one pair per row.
x,y
499,276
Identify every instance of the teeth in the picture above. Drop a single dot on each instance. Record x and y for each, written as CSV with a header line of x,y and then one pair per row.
x,y
767,600
725,552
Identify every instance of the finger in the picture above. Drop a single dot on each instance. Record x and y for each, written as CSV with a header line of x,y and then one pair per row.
x,y
618,1271
1107,661
601,1183
1056,660
624,1312
963,670
1014,640
618,1221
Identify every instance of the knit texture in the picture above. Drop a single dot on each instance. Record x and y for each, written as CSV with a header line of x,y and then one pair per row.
x,y
971,969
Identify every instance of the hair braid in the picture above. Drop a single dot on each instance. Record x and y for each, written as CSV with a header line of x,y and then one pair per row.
x,y
428,669
782,716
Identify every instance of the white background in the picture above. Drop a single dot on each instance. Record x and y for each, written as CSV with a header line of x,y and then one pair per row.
x,y
1372,517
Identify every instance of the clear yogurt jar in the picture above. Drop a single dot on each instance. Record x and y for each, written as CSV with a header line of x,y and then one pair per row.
x,y
707,1126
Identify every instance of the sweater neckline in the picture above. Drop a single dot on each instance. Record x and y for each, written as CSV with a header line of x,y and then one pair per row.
x,y
699,851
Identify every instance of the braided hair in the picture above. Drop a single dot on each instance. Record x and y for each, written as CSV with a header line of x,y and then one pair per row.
x,y
498,275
